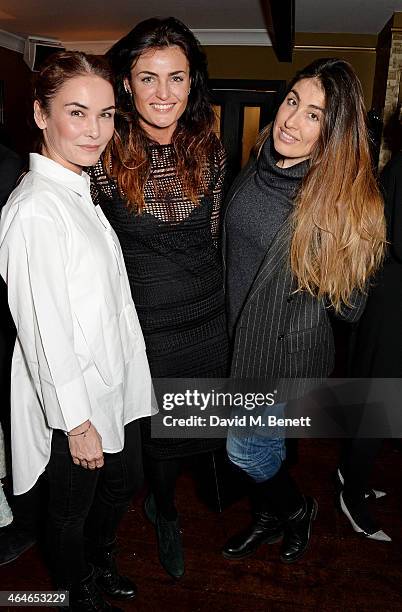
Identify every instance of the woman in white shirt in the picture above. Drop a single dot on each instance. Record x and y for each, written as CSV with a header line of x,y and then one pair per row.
x,y
80,376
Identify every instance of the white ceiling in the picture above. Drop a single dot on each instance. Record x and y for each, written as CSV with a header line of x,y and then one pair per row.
x,y
98,20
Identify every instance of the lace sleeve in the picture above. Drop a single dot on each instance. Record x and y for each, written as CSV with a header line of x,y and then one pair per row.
x,y
100,183
217,190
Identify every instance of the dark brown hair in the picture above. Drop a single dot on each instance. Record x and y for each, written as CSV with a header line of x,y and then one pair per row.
x,y
63,66
128,161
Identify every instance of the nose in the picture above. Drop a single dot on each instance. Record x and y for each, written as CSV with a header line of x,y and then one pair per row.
x,y
292,120
163,90
93,127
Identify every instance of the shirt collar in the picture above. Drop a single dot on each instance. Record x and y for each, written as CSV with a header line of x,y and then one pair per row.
x,y
79,183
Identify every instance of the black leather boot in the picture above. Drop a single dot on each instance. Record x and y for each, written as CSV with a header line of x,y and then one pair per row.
x,y
297,531
14,542
170,546
86,597
265,529
107,576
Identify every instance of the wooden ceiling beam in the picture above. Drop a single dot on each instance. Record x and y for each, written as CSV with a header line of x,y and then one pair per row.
x,y
279,17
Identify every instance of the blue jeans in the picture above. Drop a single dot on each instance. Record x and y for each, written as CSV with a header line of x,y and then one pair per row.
x,y
259,455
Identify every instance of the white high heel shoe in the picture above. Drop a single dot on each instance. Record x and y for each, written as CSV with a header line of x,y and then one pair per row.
x,y
378,535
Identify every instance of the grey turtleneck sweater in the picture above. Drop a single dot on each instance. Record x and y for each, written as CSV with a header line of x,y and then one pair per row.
x,y
255,215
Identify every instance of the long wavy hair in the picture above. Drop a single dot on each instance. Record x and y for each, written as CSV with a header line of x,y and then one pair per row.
x,y
127,159
338,222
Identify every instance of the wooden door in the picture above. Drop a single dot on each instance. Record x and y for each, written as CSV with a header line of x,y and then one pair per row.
x,y
243,108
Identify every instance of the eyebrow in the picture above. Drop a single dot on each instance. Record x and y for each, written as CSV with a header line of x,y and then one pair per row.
x,y
309,105
86,107
156,74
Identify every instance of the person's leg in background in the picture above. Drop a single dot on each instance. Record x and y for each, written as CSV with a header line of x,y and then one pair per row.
x,y
27,515
353,476
28,521
23,532
6,515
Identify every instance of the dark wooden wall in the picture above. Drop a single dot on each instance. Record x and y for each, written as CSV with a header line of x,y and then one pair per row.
x,y
17,99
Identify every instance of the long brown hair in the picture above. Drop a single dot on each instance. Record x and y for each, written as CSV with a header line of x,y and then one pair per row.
x,y
338,221
127,158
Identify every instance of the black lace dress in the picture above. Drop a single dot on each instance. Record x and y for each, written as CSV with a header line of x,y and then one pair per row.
x,y
175,274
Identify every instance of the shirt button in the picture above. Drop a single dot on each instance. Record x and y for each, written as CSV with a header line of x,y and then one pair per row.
x,y
289,299
281,337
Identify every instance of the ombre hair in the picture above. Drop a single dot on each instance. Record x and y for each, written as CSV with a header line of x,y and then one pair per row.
x,y
127,161
338,224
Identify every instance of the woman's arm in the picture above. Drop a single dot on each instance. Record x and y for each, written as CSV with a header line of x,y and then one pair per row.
x,y
86,446
40,305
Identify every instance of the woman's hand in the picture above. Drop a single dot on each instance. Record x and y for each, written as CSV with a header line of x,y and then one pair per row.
x,y
86,446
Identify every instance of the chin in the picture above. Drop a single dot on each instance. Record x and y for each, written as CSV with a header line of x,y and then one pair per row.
x,y
88,160
162,123
287,150
280,148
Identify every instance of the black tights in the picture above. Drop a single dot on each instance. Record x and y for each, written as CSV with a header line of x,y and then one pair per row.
x,y
356,465
280,494
162,476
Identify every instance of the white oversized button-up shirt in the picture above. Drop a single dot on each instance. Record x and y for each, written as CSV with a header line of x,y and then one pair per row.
x,y
79,352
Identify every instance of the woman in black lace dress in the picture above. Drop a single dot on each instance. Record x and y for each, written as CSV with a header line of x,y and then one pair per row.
x,y
161,190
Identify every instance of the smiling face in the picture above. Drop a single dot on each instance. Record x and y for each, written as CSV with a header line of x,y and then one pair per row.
x,y
79,123
298,122
160,84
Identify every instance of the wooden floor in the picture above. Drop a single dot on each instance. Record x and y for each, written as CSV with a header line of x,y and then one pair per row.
x,y
341,571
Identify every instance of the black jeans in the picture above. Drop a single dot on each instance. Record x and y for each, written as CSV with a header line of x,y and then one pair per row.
x,y
87,503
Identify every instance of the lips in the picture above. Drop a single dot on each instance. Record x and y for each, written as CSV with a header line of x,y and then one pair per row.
x,y
286,137
162,108
90,148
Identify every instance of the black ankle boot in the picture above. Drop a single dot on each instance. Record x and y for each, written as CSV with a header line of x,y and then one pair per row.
x,y
107,576
168,533
170,546
265,529
86,597
297,532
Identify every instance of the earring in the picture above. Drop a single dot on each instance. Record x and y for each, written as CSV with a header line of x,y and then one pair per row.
x,y
127,89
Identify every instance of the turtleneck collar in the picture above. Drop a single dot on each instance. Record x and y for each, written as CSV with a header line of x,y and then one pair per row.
x,y
286,179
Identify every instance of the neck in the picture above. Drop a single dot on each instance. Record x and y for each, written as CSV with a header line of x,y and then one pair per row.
x,y
48,151
288,162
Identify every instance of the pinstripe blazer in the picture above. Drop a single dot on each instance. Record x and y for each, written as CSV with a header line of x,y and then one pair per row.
x,y
280,333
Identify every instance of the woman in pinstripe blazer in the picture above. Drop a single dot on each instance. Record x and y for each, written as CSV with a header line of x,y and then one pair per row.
x,y
303,232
